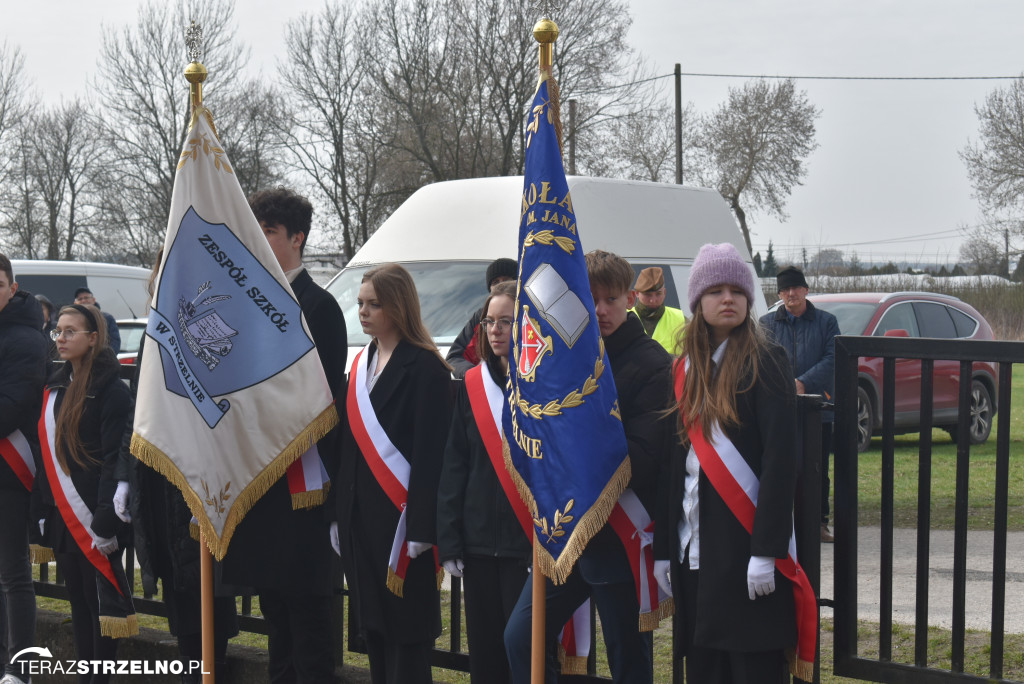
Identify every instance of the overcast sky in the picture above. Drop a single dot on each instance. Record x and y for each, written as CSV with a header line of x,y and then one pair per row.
x,y
886,181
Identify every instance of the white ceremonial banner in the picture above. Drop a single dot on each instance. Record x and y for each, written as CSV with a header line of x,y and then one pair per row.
x,y
231,388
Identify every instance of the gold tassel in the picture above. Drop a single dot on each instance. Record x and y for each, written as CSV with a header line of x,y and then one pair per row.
x,y
118,627
395,583
193,530
40,554
650,621
440,578
310,499
571,665
801,669
590,523
160,462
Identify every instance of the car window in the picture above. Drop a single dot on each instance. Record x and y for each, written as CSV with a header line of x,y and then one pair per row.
x,y
965,325
131,337
853,317
898,317
934,320
450,292
671,293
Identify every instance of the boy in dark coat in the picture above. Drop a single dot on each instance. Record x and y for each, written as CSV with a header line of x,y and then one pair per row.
x,y
642,371
23,356
285,554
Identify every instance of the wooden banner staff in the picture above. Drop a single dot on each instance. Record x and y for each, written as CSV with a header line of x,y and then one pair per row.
x,y
195,74
545,32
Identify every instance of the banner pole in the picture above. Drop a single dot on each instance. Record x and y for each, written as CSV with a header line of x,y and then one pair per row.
x,y
539,614
206,581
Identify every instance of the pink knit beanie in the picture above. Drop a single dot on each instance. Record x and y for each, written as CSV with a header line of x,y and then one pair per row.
x,y
719,265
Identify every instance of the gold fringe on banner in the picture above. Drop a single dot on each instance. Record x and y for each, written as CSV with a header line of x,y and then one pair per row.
x,y
311,499
801,669
119,627
571,665
440,578
650,621
590,523
40,554
160,462
193,531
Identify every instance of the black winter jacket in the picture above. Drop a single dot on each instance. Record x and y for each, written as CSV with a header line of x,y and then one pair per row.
x,y
23,359
474,516
643,381
108,406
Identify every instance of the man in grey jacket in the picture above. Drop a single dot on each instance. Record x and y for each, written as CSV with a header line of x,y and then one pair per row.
x,y
807,334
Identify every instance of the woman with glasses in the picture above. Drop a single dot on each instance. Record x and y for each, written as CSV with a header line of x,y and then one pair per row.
x,y
483,526
398,412
85,412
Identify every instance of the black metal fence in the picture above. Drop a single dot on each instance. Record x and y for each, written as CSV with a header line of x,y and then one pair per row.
x,y
847,661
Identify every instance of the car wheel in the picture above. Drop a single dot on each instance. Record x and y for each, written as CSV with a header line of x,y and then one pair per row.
x,y
981,409
865,419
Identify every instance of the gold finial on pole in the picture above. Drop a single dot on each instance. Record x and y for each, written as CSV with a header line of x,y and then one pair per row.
x,y
195,72
545,32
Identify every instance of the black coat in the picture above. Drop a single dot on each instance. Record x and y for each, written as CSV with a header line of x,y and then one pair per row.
x,y
725,617
643,382
474,516
275,546
466,340
412,401
108,406
23,360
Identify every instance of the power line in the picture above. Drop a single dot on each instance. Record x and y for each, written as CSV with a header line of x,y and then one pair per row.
x,y
858,78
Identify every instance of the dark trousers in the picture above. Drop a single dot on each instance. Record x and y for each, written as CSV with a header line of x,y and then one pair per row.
x,y
80,580
17,597
629,650
491,588
826,449
300,638
715,666
393,663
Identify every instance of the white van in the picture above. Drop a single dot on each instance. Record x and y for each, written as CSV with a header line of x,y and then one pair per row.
x,y
121,291
447,233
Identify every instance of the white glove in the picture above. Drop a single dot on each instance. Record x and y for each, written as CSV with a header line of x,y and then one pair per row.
x,y
105,546
760,576
42,526
454,567
663,575
121,497
335,540
414,549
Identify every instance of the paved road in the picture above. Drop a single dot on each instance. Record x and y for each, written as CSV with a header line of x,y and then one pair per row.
x,y
940,604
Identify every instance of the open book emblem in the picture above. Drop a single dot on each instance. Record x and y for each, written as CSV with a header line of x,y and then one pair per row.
x,y
205,332
559,305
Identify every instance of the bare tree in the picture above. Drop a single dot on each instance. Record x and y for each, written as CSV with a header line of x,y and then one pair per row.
x,y
640,145
828,262
755,146
982,253
61,158
995,164
13,111
146,109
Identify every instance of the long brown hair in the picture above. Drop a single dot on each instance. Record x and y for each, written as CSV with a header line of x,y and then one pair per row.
x,y
483,346
68,438
709,396
396,292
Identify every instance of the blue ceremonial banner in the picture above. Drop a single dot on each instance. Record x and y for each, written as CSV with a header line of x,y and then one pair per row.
x,y
567,449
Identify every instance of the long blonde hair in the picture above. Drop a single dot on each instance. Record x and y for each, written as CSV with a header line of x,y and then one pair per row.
x,y
396,292
709,395
68,420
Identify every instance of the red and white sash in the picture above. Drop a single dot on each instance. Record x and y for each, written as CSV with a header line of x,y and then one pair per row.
x,y
73,509
389,467
16,452
738,486
634,527
308,482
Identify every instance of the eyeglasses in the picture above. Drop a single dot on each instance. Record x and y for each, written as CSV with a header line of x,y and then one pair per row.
x,y
68,334
502,323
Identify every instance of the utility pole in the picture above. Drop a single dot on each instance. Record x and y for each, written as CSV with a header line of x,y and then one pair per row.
x,y
679,125
1006,248
572,137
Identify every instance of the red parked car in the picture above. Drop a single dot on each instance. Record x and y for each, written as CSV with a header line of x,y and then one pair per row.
x,y
915,314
